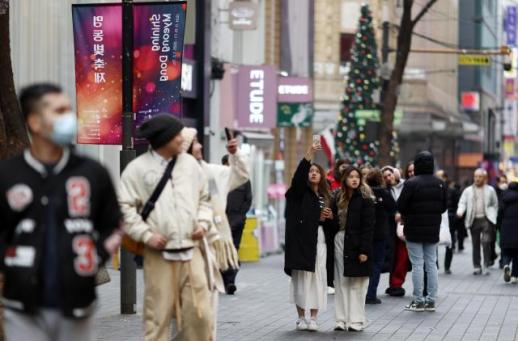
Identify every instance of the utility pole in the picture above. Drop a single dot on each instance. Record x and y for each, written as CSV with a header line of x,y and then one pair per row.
x,y
128,270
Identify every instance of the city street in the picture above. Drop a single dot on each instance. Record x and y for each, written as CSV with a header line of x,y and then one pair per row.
x,y
470,308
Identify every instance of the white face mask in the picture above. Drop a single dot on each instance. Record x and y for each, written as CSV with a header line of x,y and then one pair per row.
x,y
503,187
64,129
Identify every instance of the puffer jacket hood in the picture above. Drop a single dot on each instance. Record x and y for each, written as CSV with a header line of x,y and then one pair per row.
x,y
423,163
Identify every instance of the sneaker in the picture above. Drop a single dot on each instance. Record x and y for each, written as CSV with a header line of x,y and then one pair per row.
x,y
312,325
447,272
415,306
372,300
507,273
477,271
514,280
330,290
340,326
355,328
429,306
485,272
301,324
231,289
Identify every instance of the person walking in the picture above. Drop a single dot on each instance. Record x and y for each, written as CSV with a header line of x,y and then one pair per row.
x,y
421,204
509,232
309,222
453,221
502,184
60,220
355,218
385,207
239,202
478,205
397,247
175,278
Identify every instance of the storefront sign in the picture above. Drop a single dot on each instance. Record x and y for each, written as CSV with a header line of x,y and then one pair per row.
x,y
242,15
474,59
256,96
470,101
510,23
98,71
294,90
510,128
294,114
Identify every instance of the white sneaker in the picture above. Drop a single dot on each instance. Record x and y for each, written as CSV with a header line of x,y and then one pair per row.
x,y
330,290
312,325
340,326
514,280
301,324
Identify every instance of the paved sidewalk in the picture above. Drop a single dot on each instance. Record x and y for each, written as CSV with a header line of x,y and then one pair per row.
x,y
469,308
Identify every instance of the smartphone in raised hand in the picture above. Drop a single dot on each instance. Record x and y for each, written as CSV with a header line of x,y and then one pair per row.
x,y
316,141
228,134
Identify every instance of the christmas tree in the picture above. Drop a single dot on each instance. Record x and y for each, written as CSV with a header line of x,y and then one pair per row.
x,y
351,138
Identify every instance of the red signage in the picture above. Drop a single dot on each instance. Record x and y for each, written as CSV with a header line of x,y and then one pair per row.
x,y
470,101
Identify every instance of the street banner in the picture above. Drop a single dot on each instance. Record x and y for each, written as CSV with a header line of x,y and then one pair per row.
x,y
294,90
157,65
510,23
257,97
294,114
509,88
98,71
510,118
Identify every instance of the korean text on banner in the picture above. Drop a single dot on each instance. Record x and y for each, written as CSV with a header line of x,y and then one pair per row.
x,y
98,71
157,66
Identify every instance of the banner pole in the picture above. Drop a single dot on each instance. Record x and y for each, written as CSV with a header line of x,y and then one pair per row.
x,y
128,271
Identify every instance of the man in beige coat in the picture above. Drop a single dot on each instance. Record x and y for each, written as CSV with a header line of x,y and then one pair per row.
x,y
175,278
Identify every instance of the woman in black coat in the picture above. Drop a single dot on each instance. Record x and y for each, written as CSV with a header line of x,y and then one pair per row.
x,y
308,220
352,248
509,232
385,207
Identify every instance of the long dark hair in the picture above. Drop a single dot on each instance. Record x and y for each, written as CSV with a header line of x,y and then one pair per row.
x,y
375,178
407,175
323,186
346,193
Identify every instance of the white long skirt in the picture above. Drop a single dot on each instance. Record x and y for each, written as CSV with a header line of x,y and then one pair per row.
x,y
308,290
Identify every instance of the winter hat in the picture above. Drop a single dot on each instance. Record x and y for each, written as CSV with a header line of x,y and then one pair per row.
x,y
160,129
423,163
188,135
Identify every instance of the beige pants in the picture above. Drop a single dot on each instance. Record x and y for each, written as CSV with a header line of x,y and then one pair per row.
x,y
350,292
176,289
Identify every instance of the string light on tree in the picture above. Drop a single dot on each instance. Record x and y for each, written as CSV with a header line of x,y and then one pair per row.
x,y
351,139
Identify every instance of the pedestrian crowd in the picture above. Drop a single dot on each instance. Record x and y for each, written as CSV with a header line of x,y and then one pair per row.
x,y
62,219
346,227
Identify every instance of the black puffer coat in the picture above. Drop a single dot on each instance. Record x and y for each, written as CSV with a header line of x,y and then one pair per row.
x,y
509,227
302,221
422,202
359,231
385,208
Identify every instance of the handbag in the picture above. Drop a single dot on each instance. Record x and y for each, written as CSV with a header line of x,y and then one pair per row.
x,y
102,276
444,231
129,243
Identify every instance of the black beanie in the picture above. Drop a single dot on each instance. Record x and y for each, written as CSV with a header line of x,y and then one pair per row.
x,y
160,129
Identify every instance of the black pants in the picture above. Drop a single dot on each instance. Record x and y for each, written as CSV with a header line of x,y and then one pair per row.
x,y
511,256
229,276
449,250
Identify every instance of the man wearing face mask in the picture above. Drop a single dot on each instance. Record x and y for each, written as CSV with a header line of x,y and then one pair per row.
x,y
59,224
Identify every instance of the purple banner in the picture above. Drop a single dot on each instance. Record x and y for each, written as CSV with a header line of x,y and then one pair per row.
x,y
157,66
257,97
510,25
98,71
294,90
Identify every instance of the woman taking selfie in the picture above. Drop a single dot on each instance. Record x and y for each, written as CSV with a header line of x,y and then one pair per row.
x,y
355,214
308,218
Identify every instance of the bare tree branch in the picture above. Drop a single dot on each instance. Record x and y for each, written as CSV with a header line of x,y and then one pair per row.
x,y
423,12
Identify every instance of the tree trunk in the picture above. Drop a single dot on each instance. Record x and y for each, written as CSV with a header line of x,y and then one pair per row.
x,y
13,135
390,100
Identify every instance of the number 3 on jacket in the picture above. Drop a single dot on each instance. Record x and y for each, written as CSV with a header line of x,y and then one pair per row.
x,y
85,263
